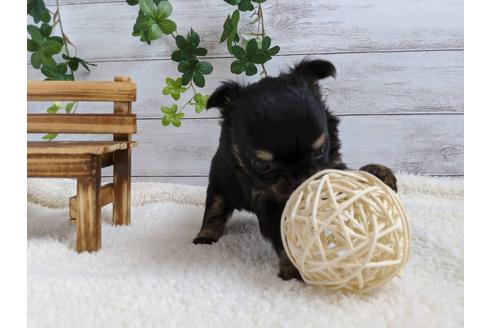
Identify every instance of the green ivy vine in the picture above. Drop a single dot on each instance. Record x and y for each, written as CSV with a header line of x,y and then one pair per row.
x,y
54,55
257,49
249,48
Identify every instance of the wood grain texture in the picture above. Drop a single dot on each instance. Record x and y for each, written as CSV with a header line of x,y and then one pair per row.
x,y
82,123
75,147
425,144
298,27
59,166
106,193
393,57
122,171
379,83
431,144
81,90
89,210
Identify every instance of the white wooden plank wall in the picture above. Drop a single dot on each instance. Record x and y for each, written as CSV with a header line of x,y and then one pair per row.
x,y
399,89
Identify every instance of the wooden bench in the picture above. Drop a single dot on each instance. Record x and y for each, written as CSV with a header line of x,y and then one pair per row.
x,y
84,160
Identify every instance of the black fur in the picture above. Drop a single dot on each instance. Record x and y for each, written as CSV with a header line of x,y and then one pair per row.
x,y
284,115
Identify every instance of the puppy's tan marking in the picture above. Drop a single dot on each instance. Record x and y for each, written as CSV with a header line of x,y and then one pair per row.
x,y
235,152
264,155
318,142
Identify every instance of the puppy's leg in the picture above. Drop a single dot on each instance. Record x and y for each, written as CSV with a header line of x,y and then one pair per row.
x,y
269,221
217,211
383,173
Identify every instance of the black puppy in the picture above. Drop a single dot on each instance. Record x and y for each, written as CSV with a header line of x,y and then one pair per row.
x,y
275,134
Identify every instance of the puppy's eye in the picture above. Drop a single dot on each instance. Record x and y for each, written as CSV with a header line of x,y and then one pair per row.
x,y
318,153
262,166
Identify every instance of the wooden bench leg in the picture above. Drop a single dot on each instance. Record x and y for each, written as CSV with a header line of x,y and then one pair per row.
x,y
121,187
89,211
72,209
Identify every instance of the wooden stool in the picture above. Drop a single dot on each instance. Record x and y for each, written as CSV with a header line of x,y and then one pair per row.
x,y
85,159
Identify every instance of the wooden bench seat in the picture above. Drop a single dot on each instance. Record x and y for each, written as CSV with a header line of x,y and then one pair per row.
x,y
76,147
84,159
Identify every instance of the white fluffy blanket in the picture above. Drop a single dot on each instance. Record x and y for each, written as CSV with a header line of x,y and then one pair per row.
x,y
149,274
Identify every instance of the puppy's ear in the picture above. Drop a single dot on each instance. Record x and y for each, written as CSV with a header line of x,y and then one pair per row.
x,y
314,70
224,95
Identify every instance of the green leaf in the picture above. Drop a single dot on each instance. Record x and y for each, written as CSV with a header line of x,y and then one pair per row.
x,y
36,59
193,39
205,67
251,48
57,39
266,42
233,38
50,136
177,56
56,72
199,79
37,10
170,115
200,102
200,52
186,78
132,2
181,42
69,107
154,32
73,62
147,6
227,28
184,66
197,97
235,17
251,69
169,110
273,51
171,83
176,121
174,88
152,20
165,8
35,33
261,58
45,29
51,47
174,109
237,67
238,52
166,121
167,26
230,28
54,108
32,45
246,5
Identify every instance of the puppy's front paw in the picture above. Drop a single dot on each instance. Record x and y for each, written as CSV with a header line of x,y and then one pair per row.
x,y
203,240
206,237
287,270
383,173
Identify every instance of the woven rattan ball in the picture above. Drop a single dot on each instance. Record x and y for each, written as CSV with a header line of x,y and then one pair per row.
x,y
345,230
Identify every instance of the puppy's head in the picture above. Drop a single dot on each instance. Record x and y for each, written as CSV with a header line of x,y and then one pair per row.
x,y
278,129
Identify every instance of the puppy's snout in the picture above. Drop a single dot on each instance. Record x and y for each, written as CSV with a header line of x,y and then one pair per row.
x,y
297,181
